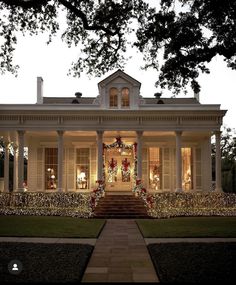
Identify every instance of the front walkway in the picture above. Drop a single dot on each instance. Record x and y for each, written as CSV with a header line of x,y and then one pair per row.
x,y
120,255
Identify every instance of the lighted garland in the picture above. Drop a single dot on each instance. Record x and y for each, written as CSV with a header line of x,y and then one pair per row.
x,y
119,144
97,194
39,203
125,169
112,169
165,205
139,189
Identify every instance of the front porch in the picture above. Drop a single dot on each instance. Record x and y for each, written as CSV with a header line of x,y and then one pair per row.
x,y
72,161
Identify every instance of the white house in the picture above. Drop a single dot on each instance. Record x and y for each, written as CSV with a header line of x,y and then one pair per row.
x,y
118,136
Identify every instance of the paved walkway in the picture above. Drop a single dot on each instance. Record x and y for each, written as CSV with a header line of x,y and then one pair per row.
x,y
120,255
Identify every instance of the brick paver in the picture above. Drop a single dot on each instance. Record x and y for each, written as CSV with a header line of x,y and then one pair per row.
x,y
120,255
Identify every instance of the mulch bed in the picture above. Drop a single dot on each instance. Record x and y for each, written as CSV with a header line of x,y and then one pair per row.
x,y
45,262
194,262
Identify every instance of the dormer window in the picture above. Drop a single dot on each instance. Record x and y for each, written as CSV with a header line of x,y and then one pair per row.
x,y
125,97
113,95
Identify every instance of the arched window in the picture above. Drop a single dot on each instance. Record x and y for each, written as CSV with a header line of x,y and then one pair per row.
x,y
125,97
113,95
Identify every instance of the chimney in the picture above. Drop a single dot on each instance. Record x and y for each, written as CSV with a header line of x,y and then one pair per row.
x,y
196,95
39,90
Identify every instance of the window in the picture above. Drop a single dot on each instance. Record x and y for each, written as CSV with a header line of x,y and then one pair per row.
x,y
82,168
51,164
187,181
125,97
155,168
113,95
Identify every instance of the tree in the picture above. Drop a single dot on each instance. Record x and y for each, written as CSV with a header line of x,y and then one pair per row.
x,y
187,33
228,154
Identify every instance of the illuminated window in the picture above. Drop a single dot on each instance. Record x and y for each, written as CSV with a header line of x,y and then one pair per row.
x,y
155,168
125,97
82,168
51,168
113,95
187,181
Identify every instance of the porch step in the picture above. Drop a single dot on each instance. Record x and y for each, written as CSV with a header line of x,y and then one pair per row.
x,y
120,206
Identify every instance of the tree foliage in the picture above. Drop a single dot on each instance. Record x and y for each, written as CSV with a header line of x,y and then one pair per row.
x,y
228,154
187,33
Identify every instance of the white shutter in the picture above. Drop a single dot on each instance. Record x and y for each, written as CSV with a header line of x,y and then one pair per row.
x,y
64,169
32,169
93,167
40,169
198,169
166,169
71,169
145,166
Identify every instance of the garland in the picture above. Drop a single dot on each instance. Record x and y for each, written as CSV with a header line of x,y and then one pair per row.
x,y
119,144
125,169
97,194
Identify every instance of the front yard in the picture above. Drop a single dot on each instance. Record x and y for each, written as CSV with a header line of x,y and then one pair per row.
x,y
39,226
188,227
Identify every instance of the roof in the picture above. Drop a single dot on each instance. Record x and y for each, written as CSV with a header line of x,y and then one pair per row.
x,y
119,73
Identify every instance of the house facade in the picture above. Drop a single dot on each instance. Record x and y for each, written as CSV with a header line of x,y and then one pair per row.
x,y
118,137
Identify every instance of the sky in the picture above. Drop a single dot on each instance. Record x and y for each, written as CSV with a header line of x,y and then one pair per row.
x,y
52,63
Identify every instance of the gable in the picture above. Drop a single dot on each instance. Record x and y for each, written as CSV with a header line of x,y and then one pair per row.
x,y
119,77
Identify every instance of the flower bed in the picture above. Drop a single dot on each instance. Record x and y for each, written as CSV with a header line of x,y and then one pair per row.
x,y
48,204
165,205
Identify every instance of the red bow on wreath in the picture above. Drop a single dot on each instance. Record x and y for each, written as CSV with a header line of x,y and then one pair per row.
x,y
125,164
112,164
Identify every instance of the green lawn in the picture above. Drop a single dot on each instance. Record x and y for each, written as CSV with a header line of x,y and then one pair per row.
x,y
41,226
188,227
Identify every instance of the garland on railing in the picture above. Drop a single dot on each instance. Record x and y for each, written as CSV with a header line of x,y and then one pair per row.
x,y
139,189
97,194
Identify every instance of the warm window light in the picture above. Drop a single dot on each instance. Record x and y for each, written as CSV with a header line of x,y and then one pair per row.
x,y
53,176
82,176
49,169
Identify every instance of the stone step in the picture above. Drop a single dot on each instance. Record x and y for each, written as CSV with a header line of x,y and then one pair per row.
x,y
122,206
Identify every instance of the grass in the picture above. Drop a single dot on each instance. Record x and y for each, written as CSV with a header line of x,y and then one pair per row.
x,y
188,227
41,226
194,262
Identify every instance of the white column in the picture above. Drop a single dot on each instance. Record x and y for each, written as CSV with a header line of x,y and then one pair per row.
x,y
60,161
139,154
178,162
99,155
6,167
218,162
20,160
15,168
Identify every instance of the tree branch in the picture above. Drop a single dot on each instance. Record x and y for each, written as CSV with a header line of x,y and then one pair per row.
x,y
26,4
83,17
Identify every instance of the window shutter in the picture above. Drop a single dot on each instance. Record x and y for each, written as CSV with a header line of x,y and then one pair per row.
x,y
166,169
40,169
198,169
71,169
93,167
145,166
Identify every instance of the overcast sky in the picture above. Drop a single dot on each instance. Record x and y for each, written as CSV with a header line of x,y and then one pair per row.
x,y
53,61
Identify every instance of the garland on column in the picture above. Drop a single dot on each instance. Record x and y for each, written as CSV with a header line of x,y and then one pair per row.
x,y
97,193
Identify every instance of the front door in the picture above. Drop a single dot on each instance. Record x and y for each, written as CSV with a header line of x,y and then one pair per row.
x,y
118,170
